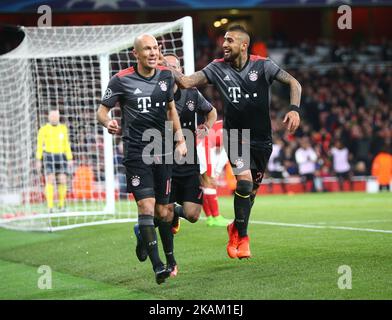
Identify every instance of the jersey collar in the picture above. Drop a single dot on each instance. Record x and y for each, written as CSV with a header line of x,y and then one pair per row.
x,y
143,77
245,65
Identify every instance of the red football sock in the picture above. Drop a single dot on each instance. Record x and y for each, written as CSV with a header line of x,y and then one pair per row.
x,y
206,206
212,201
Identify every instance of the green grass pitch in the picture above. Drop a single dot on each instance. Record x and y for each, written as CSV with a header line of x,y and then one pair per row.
x,y
298,243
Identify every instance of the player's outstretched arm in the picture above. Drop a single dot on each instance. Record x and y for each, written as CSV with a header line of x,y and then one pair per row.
x,y
292,118
104,119
295,87
197,79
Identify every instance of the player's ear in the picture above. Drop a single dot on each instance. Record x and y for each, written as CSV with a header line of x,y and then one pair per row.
x,y
245,46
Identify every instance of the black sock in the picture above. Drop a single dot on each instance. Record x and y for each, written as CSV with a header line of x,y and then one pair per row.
x,y
242,206
241,211
156,222
179,211
167,241
149,236
252,202
253,194
252,199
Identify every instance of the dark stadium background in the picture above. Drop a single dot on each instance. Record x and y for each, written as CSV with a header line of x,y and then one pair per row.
x,y
347,92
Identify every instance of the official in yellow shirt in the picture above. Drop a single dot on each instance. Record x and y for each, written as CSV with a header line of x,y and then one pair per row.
x,y
53,148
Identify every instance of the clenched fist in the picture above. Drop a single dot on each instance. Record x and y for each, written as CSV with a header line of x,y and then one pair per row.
x,y
113,127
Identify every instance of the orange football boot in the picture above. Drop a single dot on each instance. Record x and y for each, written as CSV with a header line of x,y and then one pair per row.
x,y
175,228
243,248
233,241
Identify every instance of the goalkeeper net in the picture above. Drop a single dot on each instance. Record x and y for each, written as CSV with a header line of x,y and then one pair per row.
x,y
67,69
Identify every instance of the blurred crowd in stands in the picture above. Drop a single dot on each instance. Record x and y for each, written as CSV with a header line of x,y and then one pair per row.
x,y
346,105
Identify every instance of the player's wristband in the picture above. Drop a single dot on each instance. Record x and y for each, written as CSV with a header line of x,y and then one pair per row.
x,y
293,107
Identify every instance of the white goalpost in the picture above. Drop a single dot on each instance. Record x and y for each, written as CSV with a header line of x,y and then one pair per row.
x,y
68,69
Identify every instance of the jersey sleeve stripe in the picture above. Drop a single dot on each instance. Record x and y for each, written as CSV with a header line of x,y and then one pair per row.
x,y
276,73
125,72
255,58
163,68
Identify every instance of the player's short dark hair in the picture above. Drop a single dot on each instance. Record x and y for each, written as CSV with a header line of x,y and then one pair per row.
x,y
172,54
238,27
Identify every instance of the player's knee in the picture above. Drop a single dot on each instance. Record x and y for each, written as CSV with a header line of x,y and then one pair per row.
x,y
146,206
163,213
170,209
194,214
244,187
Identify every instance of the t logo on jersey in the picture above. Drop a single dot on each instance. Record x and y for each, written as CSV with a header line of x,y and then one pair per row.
x,y
234,93
144,103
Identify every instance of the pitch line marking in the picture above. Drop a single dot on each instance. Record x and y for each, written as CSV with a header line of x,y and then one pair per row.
x,y
353,221
313,226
